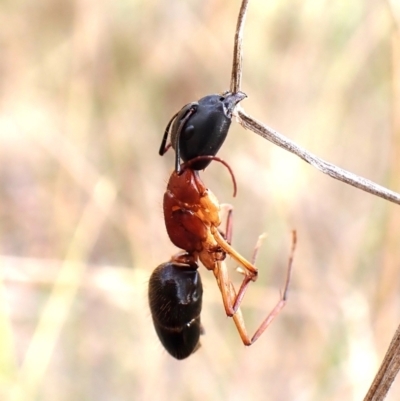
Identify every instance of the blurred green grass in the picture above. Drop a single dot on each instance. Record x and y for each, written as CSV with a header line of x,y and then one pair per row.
x,y
86,89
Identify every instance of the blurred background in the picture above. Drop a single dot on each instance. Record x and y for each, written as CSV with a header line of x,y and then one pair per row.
x,y
86,90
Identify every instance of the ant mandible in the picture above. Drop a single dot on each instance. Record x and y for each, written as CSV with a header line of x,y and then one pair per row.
x,y
192,219
200,128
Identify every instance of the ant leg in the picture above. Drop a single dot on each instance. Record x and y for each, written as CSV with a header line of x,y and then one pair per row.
x,y
257,248
228,294
252,271
230,298
229,221
246,281
225,286
166,148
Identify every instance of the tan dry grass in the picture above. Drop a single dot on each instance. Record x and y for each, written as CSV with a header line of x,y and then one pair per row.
x,y
86,90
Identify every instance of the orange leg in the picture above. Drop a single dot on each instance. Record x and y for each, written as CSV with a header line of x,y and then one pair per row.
x,y
228,209
251,270
224,240
232,300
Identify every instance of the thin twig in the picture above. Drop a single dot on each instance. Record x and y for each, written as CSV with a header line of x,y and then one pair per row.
x,y
335,172
391,362
236,78
275,137
387,372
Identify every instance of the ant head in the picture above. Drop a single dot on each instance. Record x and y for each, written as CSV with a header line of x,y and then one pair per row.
x,y
200,128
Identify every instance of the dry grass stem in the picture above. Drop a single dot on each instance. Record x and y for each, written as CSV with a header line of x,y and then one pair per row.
x,y
278,139
387,372
327,168
236,79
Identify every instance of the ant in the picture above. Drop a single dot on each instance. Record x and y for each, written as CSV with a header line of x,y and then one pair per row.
x,y
200,128
192,218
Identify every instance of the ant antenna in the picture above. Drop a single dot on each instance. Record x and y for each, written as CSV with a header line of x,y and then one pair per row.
x,y
163,147
182,123
187,165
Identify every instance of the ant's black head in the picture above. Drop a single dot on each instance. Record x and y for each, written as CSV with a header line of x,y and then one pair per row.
x,y
200,128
